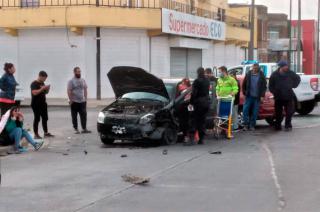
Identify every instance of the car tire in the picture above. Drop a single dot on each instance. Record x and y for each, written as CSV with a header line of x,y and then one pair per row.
x,y
271,121
169,136
106,141
306,107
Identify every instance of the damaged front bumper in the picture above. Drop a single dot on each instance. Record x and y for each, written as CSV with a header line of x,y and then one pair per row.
x,y
129,131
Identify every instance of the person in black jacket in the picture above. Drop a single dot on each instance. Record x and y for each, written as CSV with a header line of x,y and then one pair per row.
x,y
281,84
254,88
200,102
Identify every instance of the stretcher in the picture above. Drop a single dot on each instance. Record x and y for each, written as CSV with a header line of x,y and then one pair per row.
x,y
223,119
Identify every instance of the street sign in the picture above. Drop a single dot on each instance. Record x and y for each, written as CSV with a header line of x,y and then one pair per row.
x,y
179,23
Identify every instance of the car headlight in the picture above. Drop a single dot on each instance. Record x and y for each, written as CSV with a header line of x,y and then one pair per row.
x,y
101,117
146,118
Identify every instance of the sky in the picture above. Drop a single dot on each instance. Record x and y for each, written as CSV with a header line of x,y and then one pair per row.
x,y
309,7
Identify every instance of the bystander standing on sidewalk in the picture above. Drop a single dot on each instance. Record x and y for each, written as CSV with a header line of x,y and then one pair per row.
x,y
8,88
281,85
39,104
78,93
254,88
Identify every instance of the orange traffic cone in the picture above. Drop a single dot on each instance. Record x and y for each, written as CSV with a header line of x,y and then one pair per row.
x,y
196,136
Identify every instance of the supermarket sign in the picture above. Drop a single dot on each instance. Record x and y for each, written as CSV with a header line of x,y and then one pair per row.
x,y
179,23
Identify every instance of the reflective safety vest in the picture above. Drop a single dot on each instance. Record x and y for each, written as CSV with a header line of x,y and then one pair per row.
x,y
226,86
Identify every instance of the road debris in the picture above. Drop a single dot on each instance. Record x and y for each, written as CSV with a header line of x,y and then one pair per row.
x,y
65,153
124,156
215,152
165,152
135,179
85,152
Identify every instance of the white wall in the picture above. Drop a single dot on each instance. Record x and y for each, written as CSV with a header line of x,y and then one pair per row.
x,y
8,51
46,49
49,49
121,47
90,61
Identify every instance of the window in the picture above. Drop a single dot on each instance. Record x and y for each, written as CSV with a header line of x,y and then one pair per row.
x,y
238,70
273,35
29,3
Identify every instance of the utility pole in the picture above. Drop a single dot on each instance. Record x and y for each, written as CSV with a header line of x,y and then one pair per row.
x,y
318,38
98,58
299,38
252,22
290,36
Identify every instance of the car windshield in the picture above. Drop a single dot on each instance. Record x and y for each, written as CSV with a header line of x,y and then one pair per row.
x,y
144,96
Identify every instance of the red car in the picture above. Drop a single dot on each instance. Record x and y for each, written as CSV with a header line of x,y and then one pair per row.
x,y
266,110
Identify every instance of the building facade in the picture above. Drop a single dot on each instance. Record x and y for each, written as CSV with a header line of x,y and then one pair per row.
x,y
260,29
56,36
308,39
278,37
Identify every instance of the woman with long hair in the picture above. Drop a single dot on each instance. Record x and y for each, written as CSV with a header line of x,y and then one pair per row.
x,y
8,88
16,132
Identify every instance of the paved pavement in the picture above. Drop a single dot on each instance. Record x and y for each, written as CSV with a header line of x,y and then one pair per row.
x,y
260,171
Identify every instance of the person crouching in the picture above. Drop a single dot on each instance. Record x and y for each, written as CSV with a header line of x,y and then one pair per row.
x,y
14,128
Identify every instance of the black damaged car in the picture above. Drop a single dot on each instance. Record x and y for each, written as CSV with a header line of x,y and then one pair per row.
x,y
144,108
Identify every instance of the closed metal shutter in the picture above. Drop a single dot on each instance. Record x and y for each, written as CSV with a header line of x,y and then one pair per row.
x,y
194,62
185,62
178,62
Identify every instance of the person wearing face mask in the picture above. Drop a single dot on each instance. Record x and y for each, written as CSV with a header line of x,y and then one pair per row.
x,y
39,104
281,85
78,93
227,85
8,88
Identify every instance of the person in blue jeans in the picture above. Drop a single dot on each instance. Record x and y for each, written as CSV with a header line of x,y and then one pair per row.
x,y
254,88
14,128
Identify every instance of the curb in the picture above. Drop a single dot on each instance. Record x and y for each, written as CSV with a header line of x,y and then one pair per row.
x,y
4,150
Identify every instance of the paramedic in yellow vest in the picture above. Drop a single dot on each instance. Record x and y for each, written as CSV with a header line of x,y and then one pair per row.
x,y
227,85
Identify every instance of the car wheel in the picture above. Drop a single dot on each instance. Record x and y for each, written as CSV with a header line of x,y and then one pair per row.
x,y
306,107
169,136
271,121
106,141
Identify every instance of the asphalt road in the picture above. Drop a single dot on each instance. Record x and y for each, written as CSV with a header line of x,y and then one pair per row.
x,y
256,171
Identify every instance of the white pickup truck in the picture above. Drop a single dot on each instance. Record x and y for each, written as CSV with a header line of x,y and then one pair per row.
x,y
307,94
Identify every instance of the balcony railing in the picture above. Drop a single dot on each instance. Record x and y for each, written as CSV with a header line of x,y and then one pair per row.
x,y
218,14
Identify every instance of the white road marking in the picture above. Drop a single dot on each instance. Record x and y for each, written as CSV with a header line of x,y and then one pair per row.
x,y
281,199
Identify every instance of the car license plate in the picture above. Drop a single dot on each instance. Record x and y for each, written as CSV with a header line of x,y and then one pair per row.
x,y
118,130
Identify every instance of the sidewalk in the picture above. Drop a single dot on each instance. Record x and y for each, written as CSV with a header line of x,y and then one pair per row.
x,y
59,102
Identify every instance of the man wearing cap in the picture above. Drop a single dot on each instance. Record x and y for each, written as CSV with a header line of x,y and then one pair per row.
x,y
254,88
281,85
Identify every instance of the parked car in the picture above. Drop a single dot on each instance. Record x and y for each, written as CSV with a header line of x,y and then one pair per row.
x,y
143,109
307,94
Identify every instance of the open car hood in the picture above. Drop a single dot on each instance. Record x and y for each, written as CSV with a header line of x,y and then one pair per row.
x,y
126,79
